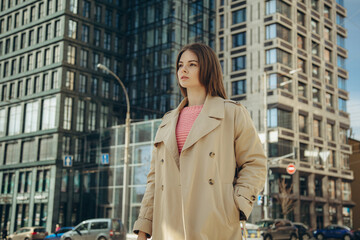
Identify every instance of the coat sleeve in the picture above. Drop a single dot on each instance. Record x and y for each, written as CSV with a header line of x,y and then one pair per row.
x,y
144,221
250,160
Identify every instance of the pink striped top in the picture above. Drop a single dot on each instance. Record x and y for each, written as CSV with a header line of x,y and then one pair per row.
x,y
186,119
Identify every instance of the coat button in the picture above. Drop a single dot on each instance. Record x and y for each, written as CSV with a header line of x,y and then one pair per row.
x,y
211,181
162,187
253,198
162,160
212,154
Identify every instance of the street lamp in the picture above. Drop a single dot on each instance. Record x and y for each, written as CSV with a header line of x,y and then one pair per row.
x,y
266,187
125,206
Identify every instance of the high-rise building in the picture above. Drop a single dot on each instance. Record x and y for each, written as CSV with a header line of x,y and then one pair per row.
x,y
295,51
54,101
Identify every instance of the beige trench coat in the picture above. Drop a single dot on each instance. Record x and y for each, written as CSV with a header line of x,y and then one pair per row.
x,y
194,196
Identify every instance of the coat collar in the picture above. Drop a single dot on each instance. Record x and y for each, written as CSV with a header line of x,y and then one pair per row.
x,y
209,118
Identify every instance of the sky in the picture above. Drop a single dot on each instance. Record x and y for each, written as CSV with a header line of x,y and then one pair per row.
x,y
352,44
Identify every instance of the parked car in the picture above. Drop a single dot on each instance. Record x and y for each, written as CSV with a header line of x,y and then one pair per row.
x,y
356,234
334,231
252,232
57,235
97,229
29,233
278,229
304,231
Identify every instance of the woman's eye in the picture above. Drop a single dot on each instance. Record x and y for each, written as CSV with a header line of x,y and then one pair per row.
x,y
193,64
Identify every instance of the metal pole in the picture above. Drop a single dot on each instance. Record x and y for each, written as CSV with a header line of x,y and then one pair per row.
x,y
125,203
266,187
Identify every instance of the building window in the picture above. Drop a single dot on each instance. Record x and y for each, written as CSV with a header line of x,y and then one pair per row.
x,y
346,191
39,35
332,189
239,39
105,89
327,33
57,30
70,79
84,58
304,186
96,60
303,123
85,33
56,54
238,87
98,13
275,81
107,41
340,20
14,120
92,116
73,7
238,63
341,62
342,105
221,21
38,60
301,64
314,26
316,95
72,29
278,30
332,158
327,11
315,48
330,131
2,122
48,113
344,161
31,38
104,116
86,9
301,42
97,34
278,6
315,4
8,183
239,16
280,148
46,57
68,113
301,18
315,71
278,56
279,118
108,17
80,116
317,128
328,77
47,150
318,187
342,83
31,116
46,82
71,55
329,100
340,40
54,80
82,83
30,62
94,86
303,152
48,32
221,44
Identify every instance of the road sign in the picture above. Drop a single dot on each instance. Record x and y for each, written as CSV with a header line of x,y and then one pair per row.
x,y
105,158
259,200
291,169
324,155
68,161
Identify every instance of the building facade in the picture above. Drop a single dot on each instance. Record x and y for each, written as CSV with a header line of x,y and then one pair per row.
x,y
355,167
294,50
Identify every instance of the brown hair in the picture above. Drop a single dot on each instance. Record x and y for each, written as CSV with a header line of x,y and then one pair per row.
x,y
210,70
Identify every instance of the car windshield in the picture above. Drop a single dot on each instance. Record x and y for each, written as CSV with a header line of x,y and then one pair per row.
x,y
264,223
82,227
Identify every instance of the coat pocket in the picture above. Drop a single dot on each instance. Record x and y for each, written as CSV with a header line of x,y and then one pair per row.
x,y
231,210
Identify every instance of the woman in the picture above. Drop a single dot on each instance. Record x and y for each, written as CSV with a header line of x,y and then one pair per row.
x,y
207,164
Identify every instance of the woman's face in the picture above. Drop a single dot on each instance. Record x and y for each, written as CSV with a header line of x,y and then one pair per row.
x,y
189,71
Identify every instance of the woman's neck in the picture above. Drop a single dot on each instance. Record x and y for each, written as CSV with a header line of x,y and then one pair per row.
x,y
196,97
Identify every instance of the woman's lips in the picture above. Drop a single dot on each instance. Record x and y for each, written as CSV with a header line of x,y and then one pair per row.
x,y
184,77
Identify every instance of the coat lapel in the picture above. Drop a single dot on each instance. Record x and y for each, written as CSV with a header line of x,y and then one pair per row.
x,y
209,118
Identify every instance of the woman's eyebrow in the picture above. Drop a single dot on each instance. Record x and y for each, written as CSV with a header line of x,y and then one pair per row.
x,y
188,61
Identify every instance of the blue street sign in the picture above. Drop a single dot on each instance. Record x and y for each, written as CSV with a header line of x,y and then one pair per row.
x,y
68,161
105,158
259,200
